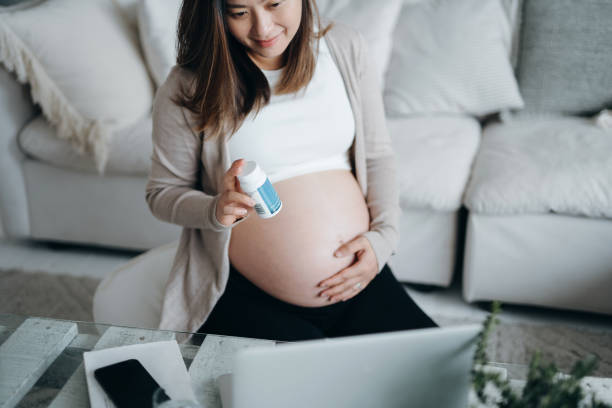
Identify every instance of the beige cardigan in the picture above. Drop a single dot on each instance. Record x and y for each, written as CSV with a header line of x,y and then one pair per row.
x,y
187,172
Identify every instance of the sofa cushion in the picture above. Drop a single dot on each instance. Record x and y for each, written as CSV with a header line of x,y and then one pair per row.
x,y
83,62
434,158
565,57
129,152
451,57
559,261
560,165
80,207
157,20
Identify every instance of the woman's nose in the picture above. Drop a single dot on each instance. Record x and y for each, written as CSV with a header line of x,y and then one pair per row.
x,y
262,26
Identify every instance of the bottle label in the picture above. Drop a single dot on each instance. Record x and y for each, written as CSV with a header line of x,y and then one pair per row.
x,y
267,201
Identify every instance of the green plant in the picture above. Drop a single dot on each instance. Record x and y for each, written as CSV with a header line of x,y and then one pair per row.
x,y
545,387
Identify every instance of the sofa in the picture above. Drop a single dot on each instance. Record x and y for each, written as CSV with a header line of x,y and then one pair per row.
x,y
511,196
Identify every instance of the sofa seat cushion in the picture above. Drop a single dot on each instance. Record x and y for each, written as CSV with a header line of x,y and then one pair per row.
x,y
552,260
427,250
561,165
434,157
129,154
80,207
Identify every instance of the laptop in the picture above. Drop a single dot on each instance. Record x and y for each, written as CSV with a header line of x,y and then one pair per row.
x,y
413,368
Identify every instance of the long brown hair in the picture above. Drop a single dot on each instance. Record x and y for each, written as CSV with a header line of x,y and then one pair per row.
x,y
227,84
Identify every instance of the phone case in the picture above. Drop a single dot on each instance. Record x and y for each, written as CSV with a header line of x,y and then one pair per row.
x,y
128,384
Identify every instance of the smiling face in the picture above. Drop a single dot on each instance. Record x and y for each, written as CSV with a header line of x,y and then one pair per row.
x,y
264,27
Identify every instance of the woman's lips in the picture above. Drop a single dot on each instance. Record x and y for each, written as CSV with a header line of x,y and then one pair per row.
x,y
267,43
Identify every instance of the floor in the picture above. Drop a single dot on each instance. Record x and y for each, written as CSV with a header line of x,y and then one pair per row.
x,y
97,262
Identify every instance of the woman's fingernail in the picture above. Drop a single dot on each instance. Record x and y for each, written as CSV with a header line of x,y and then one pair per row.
x,y
242,211
338,254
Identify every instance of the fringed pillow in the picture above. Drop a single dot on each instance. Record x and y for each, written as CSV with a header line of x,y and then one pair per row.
x,y
84,66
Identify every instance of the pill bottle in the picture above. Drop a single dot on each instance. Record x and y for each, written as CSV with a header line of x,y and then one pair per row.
x,y
256,184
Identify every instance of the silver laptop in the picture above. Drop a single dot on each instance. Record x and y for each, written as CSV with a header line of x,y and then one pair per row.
x,y
413,368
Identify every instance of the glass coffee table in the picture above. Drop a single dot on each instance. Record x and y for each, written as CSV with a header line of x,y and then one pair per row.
x,y
41,360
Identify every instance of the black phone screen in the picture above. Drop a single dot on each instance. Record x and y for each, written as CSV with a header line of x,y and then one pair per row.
x,y
128,384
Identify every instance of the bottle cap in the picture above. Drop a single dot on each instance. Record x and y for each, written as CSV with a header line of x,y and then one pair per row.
x,y
252,176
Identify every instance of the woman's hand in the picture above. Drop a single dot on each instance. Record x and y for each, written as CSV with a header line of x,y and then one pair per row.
x,y
233,203
345,284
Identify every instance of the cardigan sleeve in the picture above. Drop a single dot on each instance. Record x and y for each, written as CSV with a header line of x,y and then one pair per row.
x,y
173,191
382,195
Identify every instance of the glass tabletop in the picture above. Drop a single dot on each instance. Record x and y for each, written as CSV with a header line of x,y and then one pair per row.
x,y
63,362
89,333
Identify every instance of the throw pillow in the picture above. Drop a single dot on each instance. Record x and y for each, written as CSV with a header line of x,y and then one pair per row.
x,y
451,56
157,23
13,5
157,20
513,11
84,67
375,20
565,57
129,8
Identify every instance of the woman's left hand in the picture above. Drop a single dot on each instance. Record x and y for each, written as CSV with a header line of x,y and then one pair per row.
x,y
353,279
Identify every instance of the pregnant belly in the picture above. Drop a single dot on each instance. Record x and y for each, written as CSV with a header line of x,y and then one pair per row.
x,y
289,254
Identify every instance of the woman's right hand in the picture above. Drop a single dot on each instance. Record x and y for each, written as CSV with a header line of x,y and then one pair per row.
x,y
233,203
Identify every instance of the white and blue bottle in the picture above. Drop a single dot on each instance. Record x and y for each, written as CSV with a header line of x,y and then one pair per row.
x,y
256,184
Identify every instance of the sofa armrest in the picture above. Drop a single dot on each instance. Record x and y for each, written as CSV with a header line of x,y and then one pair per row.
x,y
16,110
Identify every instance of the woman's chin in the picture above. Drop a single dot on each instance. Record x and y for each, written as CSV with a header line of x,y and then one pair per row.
x,y
276,51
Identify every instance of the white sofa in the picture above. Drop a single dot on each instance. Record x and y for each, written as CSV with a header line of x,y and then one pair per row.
x,y
513,252
49,192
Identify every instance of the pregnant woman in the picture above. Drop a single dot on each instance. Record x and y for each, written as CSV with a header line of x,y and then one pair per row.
x,y
257,80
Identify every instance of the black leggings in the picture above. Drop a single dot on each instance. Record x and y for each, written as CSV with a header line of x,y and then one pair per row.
x,y
244,310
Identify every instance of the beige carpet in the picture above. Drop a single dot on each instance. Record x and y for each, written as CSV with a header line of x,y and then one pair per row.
x,y
564,345
41,294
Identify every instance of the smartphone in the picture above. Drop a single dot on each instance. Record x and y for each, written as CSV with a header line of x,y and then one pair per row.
x,y
128,384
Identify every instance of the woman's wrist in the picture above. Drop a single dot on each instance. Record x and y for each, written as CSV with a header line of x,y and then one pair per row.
x,y
212,216
216,224
380,246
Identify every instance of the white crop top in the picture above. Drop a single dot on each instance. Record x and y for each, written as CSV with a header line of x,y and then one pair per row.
x,y
305,132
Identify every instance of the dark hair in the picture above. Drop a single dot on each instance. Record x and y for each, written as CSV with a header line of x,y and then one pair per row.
x,y
227,84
